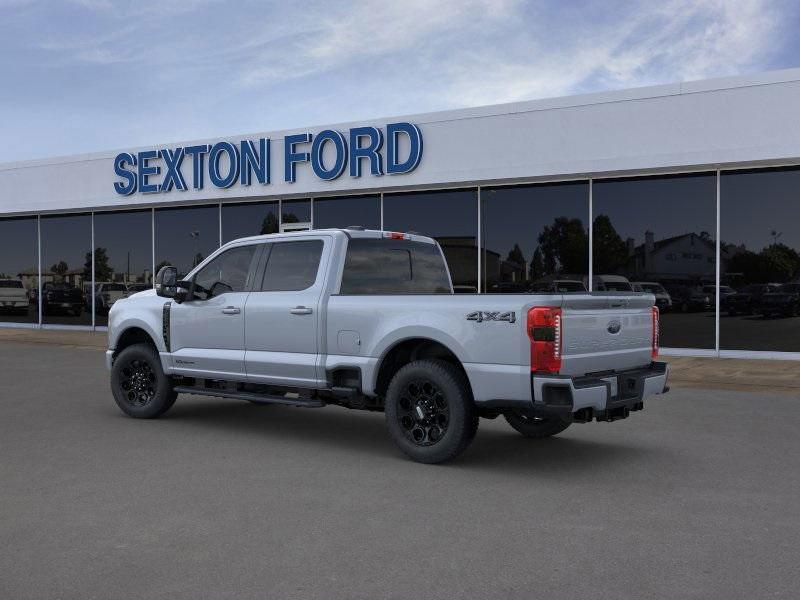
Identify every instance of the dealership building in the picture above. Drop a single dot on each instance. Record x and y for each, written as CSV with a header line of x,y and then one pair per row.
x,y
689,190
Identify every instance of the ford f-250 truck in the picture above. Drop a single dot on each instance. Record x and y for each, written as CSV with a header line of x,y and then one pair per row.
x,y
368,320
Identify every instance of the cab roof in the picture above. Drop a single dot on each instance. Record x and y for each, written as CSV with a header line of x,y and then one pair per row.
x,y
355,233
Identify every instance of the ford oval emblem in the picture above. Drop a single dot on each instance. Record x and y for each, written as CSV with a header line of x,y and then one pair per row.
x,y
614,326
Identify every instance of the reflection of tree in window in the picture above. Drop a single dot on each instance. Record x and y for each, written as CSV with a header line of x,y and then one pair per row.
x,y
290,218
563,246
270,224
610,250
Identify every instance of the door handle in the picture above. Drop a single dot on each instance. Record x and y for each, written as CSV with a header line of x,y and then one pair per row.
x,y
231,310
300,310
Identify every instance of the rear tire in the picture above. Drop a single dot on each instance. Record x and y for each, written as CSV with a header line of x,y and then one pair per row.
x,y
140,387
430,412
536,428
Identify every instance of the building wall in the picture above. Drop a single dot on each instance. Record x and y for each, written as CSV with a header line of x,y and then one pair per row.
x,y
722,121
566,189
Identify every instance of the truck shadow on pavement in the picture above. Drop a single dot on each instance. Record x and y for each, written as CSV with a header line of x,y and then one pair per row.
x,y
356,431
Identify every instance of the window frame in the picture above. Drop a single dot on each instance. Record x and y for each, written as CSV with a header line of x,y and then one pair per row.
x,y
266,253
252,272
412,256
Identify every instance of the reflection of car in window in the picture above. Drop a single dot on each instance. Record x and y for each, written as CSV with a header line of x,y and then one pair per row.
x,y
783,301
61,298
13,297
663,299
690,299
559,286
106,294
135,288
611,283
747,300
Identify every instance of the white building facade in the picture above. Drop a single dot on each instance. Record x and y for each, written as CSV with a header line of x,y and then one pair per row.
x,y
690,186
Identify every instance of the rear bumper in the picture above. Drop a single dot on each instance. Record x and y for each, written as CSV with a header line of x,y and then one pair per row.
x,y
603,397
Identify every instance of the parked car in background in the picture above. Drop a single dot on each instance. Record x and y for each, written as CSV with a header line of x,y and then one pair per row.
x,y
135,288
558,286
611,283
107,293
747,300
663,299
13,297
690,299
785,301
61,298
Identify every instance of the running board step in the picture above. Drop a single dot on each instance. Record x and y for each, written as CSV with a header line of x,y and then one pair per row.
x,y
305,403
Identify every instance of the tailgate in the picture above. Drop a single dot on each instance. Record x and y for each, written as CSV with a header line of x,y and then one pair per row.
x,y
606,332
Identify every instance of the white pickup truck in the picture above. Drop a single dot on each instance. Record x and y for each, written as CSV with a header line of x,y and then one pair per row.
x,y
369,320
13,296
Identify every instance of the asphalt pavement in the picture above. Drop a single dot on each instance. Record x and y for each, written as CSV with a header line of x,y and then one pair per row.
x,y
697,496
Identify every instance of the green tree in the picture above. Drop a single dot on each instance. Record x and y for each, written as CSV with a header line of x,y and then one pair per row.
x,y
564,246
610,250
515,255
269,224
537,265
60,268
102,270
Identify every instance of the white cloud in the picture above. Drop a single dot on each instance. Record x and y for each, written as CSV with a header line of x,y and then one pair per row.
x,y
675,41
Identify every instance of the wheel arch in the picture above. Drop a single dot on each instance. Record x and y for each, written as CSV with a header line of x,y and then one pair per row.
x,y
409,349
135,334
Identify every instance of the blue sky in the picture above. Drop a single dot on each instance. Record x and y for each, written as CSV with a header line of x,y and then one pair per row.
x,y
89,75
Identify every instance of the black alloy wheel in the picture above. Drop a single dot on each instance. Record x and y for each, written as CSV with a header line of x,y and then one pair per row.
x,y
140,387
423,412
430,411
138,382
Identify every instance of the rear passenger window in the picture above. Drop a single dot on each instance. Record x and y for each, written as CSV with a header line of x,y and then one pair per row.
x,y
380,266
292,266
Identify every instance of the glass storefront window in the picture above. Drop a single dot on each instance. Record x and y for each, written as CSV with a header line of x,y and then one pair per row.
x,y
66,269
535,238
19,270
657,234
450,217
343,212
123,258
295,211
760,260
250,218
184,237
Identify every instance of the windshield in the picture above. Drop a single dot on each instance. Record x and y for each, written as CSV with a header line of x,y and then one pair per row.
x,y
10,283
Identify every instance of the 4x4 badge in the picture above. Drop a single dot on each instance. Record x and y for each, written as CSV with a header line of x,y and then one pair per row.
x,y
480,316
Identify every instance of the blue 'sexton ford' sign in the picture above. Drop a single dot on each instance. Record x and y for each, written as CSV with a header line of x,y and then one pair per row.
x,y
330,152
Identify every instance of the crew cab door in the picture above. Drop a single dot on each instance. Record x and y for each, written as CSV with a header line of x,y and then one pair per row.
x,y
207,330
283,313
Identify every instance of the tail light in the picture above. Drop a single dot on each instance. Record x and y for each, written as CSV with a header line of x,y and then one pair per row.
x,y
396,235
656,325
544,331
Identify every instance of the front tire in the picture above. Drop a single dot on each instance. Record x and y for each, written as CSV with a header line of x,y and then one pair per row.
x,y
140,387
534,427
430,412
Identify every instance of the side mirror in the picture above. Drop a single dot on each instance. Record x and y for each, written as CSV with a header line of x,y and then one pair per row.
x,y
167,282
